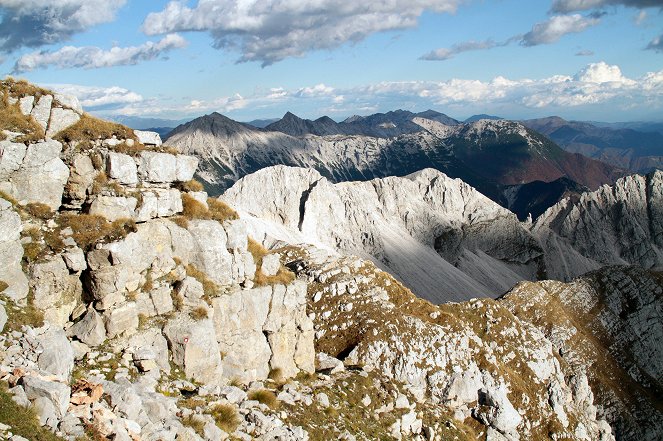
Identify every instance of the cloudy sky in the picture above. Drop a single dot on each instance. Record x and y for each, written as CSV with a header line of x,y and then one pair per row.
x,y
249,59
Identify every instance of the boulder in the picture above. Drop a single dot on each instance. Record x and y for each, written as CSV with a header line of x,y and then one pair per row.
x,y
56,292
122,167
271,263
3,318
194,347
57,393
41,176
157,167
497,411
26,104
11,253
74,258
148,137
81,178
11,158
57,356
211,254
238,320
60,120
121,319
90,329
69,101
42,111
159,202
113,207
186,167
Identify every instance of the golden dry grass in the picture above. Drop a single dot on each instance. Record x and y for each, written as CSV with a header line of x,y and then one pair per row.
x,y
21,88
8,198
266,397
216,210
226,417
89,128
191,185
199,313
3,285
39,210
283,277
13,120
209,287
91,229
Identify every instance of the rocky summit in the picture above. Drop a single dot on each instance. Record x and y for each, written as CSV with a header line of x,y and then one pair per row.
x,y
133,306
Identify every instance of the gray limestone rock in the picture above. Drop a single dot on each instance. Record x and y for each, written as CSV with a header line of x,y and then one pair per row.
x,y
159,202
121,319
271,264
42,110
56,292
147,137
26,104
122,167
57,356
186,167
194,348
11,253
74,258
60,120
113,207
57,393
69,101
90,329
157,167
41,176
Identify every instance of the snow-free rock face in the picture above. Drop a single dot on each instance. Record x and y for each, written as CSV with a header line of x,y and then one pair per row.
x,y
439,235
11,253
619,224
607,326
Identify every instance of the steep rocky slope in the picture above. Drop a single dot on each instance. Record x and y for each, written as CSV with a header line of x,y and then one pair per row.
x,y
438,235
486,154
616,224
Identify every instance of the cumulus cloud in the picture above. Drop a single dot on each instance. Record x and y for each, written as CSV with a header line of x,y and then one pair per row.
x,y
466,46
272,30
565,6
656,44
97,97
556,27
33,23
90,57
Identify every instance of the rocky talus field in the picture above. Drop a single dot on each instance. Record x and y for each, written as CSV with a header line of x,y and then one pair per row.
x,y
133,306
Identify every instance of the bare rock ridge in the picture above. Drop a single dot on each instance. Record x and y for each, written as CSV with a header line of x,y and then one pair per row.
x,y
446,241
487,154
438,235
135,307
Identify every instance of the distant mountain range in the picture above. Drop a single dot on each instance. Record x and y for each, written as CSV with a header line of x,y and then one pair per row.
x,y
622,147
491,155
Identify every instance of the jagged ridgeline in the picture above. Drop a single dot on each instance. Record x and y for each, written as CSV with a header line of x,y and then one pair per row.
x,y
134,306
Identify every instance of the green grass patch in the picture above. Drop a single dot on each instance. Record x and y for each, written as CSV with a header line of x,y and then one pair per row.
x,y
23,421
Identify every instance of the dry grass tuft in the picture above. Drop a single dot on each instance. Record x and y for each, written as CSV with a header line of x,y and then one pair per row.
x,y
210,288
89,128
199,313
21,88
3,285
13,120
283,277
276,374
226,417
8,198
39,210
91,229
266,397
191,185
217,210
131,150
197,424
180,221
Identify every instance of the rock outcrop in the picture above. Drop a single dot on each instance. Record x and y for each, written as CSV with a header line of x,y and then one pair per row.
x,y
438,235
619,224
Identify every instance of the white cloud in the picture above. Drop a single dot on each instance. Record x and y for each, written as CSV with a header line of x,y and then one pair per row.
x,y
565,6
315,91
94,97
272,30
466,46
34,23
90,57
656,44
556,27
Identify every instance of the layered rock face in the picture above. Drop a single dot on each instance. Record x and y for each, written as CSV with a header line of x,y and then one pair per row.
x,y
438,235
138,277
616,224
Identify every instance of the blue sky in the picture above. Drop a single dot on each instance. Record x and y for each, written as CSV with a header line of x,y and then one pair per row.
x,y
248,59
